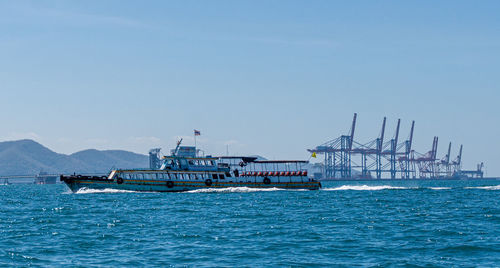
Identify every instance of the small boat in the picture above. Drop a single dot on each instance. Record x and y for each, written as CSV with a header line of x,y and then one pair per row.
x,y
179,173
44,178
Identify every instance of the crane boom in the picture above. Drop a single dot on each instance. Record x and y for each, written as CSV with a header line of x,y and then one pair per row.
x,y
460,156
353,127
381,142
397,133
177,147
411,133
448,155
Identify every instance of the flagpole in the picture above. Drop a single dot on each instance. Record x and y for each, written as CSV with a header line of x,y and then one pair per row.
x,y
195,141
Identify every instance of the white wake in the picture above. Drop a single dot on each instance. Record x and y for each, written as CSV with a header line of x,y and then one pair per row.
x,y
365,188
495,187
440,188
85,190
235,190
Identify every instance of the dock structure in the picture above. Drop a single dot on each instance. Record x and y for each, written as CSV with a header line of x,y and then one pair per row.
x,y
344,157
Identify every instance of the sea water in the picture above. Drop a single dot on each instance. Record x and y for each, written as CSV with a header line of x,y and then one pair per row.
x,y
393,223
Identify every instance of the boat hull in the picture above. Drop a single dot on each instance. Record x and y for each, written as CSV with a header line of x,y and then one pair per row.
x,y
75,184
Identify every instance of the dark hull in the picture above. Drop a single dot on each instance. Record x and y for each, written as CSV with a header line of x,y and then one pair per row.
x,y
77,183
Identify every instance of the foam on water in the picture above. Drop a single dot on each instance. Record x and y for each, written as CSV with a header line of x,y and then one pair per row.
x,y
365,188
235,190
495,187
440,188
85,190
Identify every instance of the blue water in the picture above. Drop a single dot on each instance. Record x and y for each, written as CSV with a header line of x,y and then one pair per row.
x,y
422,224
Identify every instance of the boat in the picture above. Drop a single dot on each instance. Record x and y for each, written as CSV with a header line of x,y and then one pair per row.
x,y
45,178
187,172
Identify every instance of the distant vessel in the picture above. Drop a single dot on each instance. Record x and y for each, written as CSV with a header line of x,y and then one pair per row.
x,y
186,171
44,178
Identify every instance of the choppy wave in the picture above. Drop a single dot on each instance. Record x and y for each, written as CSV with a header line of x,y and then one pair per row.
x,y
235,190
494,187
365,188
102,191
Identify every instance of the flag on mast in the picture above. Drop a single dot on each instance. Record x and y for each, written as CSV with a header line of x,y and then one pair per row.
x,y
197,132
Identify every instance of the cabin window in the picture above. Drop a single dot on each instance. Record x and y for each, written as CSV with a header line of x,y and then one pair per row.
x,y
221,176
228,174
214,176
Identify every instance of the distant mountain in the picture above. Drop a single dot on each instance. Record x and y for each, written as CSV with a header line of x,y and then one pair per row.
x,y
25,157
105,160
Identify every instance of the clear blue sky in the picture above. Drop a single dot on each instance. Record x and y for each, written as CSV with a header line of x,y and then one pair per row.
x,y
267,77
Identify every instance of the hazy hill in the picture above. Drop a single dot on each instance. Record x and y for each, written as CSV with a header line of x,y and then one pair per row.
x,y
104,160
29,157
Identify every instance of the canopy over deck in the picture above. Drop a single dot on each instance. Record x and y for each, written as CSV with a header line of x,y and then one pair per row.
x,y
281,161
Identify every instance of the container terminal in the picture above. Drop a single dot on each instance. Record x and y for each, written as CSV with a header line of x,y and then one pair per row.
x,y
346,158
